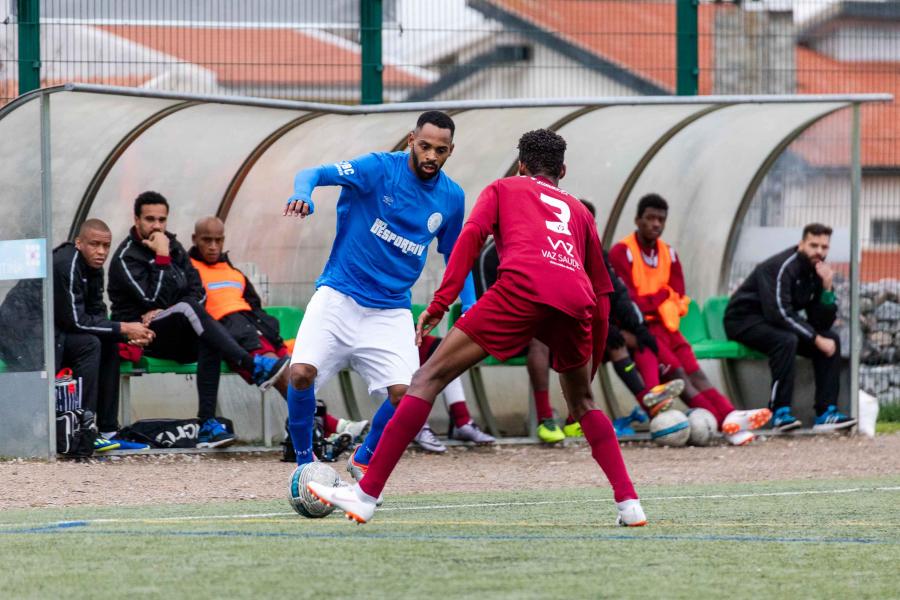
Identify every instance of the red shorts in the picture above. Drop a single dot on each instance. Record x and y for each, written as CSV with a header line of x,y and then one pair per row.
x,y
502,323
266,347
674,350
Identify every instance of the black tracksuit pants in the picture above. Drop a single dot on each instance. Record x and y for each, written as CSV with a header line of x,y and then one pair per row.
x,y
782,347
96,361
186,333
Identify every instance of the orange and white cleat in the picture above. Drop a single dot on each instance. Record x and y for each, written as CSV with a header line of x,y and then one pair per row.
x,y
660,397
631,514
745,420
356,504
356,469
741,438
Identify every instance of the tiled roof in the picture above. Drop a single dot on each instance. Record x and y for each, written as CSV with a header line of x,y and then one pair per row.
x,y
280,57
619,32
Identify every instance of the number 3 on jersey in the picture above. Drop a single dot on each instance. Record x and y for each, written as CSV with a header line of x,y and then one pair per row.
x,y
562,212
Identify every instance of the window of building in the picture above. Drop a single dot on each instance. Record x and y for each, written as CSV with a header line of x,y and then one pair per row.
x,y
886,231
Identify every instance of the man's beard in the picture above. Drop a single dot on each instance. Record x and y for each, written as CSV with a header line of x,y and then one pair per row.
x,y
418,167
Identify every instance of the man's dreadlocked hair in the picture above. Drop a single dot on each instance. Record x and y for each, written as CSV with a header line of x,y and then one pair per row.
x,y
542,151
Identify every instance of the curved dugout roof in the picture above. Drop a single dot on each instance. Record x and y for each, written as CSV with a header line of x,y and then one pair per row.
x,y
237,157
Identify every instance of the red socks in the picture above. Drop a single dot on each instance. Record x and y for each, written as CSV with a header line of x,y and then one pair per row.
x,y
648,367
542,405
411,414
459,412
605,449
330,424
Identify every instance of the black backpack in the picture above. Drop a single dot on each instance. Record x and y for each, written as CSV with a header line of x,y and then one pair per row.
x,y
75,433
168,433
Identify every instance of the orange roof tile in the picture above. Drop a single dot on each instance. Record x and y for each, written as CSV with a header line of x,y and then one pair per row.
x,y
259,56
639,36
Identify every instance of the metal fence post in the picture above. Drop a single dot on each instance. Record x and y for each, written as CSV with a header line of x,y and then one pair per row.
x,y
855,326
47,232
686,54
29,15
371,84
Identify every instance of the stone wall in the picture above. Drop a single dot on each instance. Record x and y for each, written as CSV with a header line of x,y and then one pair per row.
x,y
880,320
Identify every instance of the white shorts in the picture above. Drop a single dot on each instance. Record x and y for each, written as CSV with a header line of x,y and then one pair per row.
x,y
337,333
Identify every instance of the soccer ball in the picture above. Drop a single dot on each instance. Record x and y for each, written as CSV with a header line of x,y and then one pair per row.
x,y
703,426
298,495
670,428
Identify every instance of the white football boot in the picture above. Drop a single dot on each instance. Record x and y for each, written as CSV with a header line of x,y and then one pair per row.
x,y
741,438
630,514
356,504
745,420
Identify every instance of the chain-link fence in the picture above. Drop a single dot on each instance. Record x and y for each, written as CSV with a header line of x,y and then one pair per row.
x,y
480,49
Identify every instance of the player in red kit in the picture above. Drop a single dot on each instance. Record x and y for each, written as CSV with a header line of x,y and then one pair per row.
x,y
552,285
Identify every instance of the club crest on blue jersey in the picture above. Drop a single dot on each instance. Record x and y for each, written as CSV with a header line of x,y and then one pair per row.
x,y
434,221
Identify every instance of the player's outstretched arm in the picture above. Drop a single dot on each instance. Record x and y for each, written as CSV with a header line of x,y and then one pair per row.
x,y
354,174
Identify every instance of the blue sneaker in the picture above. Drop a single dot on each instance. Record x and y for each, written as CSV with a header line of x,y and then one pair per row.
x,y
832,420
784,420
213,434
622,425
268,369
126,445
101,444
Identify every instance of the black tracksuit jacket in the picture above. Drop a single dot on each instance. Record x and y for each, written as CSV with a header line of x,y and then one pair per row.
x,y
777,290
137,283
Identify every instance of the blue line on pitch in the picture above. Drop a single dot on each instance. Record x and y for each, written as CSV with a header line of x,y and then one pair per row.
x,y
63,527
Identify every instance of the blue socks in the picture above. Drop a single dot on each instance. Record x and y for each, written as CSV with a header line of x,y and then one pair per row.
x,y
379,422
301,421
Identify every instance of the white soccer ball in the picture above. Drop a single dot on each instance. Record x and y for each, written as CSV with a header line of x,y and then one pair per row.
x,y
298,495
670,428
703,426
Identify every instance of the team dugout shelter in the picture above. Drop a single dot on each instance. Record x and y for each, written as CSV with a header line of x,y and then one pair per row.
x,y
77,151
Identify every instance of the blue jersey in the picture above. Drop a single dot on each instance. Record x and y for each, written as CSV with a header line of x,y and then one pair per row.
x,y
386,218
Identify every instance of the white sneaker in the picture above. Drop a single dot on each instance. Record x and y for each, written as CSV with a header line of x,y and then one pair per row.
x,y
741,438
356,504
630,514
355,428
470,432
740,420
427,441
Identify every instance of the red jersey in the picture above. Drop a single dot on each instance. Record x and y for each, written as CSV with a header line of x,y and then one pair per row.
x,y
547,245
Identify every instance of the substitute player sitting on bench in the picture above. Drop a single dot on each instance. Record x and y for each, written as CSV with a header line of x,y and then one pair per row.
x,y
232,301
651,270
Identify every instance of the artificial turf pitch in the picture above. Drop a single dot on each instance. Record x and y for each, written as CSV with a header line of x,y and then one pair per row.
x,y
823,539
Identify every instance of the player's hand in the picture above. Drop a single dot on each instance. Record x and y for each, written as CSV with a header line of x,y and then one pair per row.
x,y
298,208
158,242
826,274
149,316
426,323
138,334
826,345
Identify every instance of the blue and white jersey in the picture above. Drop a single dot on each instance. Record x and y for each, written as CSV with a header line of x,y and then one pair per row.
x,y
386,219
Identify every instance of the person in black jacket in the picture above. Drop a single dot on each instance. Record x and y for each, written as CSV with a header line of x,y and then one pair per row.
x,y
765,314
152,279
86,340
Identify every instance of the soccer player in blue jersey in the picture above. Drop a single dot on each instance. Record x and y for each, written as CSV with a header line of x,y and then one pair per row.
x,y
392,205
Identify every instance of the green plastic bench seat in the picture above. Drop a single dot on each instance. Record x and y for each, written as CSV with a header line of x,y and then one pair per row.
x,y
289,318
692,327
2,367
714,316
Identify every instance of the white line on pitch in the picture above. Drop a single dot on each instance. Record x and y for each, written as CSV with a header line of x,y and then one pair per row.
x,y
453,506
